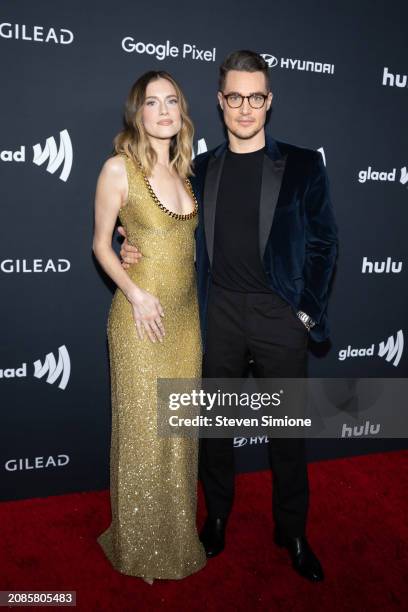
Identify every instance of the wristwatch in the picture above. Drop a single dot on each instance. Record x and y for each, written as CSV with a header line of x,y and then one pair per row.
x,y
306,320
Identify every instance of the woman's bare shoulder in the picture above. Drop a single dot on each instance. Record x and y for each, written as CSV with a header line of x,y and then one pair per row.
x,y
115,166
113,175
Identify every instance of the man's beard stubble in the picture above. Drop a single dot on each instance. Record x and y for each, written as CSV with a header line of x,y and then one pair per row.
x,y
246,136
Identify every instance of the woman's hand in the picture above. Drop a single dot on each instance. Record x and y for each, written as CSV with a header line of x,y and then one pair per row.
x,y
147,314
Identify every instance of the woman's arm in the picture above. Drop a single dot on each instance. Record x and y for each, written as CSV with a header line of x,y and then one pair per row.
x,y
111,192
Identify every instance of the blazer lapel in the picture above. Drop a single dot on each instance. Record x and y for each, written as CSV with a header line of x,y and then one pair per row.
x,y
272,174
211,185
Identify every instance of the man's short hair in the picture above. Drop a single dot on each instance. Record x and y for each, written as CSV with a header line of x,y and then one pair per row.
x,y
245,61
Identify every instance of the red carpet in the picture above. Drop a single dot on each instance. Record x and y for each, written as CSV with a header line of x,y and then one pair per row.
x,y
358,526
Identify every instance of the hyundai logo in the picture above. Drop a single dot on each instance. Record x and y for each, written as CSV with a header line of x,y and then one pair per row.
x,y
238,442
271,60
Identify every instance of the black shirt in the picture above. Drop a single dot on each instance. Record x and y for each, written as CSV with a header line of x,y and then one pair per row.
x,y
237,264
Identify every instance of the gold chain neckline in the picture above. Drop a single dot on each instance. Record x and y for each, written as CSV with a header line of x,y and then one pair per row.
x,y
163,208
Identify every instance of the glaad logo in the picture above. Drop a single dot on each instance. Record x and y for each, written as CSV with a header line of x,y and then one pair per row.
x,y
367,429
36,33
25,463
380,267
56,157
238,442
390,349
14,372
201,147
378,175
162,51
54,369
50,367
391,79
297,64
8,266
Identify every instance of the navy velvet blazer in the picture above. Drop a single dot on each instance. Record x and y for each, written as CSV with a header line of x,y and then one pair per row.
x,y
297,229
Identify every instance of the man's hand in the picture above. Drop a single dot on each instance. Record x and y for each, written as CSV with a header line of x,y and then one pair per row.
x,y
129,254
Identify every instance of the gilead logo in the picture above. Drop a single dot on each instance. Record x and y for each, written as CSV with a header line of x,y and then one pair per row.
x,y
35,463
36,33
34,266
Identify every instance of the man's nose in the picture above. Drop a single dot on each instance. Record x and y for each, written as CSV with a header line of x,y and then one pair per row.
x,y
245,107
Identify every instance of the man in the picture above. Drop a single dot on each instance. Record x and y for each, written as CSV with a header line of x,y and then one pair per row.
x,y
266,249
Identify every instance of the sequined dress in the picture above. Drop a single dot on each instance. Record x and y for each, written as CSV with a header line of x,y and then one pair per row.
x,y
153,480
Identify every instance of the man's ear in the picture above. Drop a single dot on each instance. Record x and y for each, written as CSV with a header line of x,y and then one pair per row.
x,y
220,100
269,100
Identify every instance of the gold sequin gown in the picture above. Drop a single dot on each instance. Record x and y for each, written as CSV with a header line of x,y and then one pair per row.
x,y
153,481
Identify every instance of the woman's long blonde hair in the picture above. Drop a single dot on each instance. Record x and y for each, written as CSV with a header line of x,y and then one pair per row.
x,y
133,140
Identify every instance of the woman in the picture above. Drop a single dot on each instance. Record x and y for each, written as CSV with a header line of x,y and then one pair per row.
x,y
153,332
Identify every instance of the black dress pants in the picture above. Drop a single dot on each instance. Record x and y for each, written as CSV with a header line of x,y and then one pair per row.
x,y
264,328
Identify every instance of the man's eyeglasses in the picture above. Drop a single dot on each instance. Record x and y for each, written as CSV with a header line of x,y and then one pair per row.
x,y
235,100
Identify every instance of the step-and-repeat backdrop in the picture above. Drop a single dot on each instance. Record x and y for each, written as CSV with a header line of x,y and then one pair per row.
x,y
339,74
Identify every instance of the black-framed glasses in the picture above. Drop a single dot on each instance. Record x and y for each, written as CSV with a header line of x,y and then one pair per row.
x,y
236,100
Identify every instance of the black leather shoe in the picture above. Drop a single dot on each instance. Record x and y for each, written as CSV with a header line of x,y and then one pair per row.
x,y
303,558
213,536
